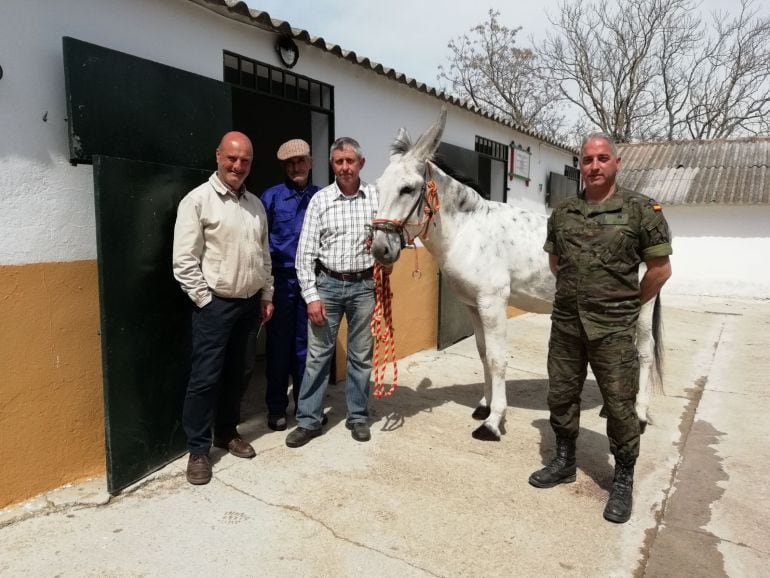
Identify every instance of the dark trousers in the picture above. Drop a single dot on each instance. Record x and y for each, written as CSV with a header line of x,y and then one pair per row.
x,y
286,346
615,363
220,370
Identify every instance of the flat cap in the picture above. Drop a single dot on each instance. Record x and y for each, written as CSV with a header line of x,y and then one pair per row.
x,y
293,148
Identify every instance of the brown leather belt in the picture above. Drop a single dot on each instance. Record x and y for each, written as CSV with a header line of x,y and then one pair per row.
x,y
354,276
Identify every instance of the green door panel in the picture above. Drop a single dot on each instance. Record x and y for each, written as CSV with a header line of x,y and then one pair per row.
x,y
454,323
139,122
120,105
144,314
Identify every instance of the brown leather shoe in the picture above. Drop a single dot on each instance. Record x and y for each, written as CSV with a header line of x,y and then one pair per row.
x,y
236,446
198,469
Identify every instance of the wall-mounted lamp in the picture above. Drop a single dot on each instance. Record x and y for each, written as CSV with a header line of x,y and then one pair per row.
x,y
287,50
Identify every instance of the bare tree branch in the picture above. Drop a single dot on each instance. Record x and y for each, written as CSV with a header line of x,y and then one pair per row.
x,y
488,68
732,92
607,60
634,69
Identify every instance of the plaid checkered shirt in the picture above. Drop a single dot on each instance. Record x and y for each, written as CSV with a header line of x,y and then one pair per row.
x,y
334,232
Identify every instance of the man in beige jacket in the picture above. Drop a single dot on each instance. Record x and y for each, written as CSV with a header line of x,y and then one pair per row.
x,y
222,261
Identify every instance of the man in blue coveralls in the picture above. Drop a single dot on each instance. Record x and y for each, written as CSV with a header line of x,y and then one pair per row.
x,y
287,331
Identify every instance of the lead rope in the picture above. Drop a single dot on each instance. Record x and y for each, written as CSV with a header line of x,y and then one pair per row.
x,y
382,331
382,320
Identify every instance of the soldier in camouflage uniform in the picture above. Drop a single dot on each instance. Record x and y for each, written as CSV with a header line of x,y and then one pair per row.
x,y
595,243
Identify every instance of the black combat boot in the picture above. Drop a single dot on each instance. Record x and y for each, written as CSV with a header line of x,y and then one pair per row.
x,y
619,504
561,469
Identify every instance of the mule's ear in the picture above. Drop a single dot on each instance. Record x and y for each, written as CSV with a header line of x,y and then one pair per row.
x,y
429,141
402,144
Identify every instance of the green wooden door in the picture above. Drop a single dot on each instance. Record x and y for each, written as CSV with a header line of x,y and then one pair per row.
x,y
454,323
144,314
150,131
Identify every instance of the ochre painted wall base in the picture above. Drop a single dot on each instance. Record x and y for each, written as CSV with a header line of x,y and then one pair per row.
x,y
51,401
51,408
414,306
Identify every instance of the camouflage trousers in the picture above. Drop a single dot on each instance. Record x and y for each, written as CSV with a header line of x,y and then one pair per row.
x,y
615,363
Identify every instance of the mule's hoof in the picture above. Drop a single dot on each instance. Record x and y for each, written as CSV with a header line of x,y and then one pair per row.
x,y
642,426
485,434
481,412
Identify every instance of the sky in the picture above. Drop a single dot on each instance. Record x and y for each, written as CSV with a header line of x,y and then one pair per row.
x,y
411,36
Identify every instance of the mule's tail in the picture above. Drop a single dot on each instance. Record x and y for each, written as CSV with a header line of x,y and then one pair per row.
x,y
657,354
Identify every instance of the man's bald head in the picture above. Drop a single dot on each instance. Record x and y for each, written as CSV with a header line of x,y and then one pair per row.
x,y
235,137
234,156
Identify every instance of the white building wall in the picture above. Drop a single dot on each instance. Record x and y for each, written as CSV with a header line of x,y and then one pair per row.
x,y
47,204
720,251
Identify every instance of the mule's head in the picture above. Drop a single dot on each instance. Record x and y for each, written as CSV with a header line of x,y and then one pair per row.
x,y
401,189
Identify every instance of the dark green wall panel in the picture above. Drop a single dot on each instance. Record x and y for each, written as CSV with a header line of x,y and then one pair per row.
x,y
144,314
140,122
122,106
454,323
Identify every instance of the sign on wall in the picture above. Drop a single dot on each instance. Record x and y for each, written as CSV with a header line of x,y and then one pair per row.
x,y
520,158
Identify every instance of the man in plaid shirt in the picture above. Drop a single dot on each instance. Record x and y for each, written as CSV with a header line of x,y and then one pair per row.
x,y
335,269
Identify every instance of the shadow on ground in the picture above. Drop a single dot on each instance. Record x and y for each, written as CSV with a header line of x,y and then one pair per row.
x,y
393,412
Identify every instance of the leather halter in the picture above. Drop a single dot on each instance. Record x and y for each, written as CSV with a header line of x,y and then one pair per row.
x,y
429,200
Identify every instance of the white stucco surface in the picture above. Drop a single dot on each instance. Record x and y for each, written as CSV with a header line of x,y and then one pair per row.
x,y
47,204
720,251
47,211
718,266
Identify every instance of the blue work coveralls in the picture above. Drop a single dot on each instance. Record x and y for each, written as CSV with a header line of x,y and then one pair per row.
x,y
287,330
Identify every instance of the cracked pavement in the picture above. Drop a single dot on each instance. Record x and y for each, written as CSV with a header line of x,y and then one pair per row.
x,y
425,499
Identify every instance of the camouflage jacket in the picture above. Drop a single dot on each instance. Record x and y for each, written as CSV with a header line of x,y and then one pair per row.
x,y
600,248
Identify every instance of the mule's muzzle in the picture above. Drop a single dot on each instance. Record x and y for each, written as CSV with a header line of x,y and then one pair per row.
x,y
386,245
389,228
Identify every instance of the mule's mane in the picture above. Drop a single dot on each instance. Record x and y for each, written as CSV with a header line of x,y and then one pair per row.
x,y
466,200
401,145
441,163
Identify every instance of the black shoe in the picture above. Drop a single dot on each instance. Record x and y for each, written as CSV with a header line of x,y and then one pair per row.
x,y
300,436
560,470
359,431
621,500
277,422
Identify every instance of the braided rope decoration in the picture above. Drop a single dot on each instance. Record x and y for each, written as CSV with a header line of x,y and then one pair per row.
x,y
382,331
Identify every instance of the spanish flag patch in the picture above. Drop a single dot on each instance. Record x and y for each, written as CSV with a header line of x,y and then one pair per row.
x,y
656,206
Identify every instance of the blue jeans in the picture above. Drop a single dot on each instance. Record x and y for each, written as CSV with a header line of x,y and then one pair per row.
x,y
354,300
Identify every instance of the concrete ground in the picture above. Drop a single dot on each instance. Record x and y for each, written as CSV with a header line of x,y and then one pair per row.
x,y
425,499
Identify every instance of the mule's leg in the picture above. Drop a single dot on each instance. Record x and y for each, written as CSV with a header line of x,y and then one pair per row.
x,y
493,323
482,409
645,345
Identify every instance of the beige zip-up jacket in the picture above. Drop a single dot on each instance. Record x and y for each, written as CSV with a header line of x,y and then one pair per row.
x,y
221,244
